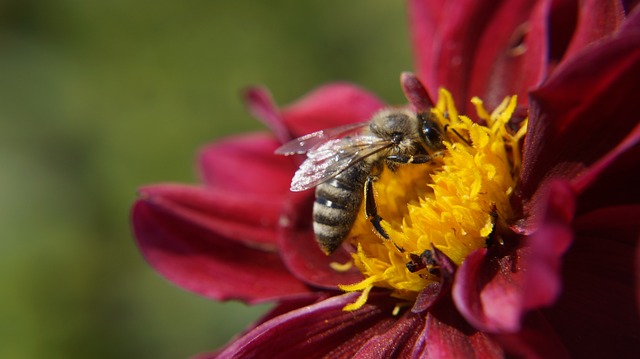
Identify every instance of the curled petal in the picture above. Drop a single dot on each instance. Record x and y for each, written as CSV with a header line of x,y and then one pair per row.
x,y
330,106
246,164
204,252
494,290
578,102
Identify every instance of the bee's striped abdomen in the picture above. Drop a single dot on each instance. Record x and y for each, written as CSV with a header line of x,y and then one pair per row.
x,y
336,206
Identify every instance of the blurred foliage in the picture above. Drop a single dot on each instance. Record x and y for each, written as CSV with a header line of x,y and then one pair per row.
x,y
100,97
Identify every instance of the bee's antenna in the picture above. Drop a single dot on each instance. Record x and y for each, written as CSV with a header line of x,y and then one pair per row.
x,y
447,127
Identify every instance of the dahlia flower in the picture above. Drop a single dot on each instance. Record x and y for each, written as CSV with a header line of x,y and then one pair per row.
x,y
519,238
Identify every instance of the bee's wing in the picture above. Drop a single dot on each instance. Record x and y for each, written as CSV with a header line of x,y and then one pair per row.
x,y
333,157
305,143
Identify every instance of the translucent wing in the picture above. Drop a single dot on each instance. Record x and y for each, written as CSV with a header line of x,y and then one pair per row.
x,y
333,157
305,143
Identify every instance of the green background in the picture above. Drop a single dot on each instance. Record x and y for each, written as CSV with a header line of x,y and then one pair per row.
x,y
100,97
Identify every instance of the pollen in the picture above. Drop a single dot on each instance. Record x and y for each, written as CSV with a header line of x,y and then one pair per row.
x,y
451,203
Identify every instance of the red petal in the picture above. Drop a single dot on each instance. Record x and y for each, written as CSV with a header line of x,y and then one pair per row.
x,y
615,172
330,106
397,341
301,252
247,165
537,339
426,18
510,56
247,217
580,114
597,313
598,19
493,290
415,92
261,105
447,335
318,330
473,48
182,242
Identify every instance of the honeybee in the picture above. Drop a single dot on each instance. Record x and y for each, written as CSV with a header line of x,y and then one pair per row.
x,y
343,162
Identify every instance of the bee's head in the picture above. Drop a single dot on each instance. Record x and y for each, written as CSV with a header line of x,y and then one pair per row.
x,y
397,126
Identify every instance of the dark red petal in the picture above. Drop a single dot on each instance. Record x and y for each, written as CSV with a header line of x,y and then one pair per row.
x,y
183,243
247,165
488,293
580,114
283,306
537,339
598,19
447,335
397,341
261,105
614,174
318,330
435,291
426,18
511,52
492,289
301,252
478,48
597,314
330,106
415,92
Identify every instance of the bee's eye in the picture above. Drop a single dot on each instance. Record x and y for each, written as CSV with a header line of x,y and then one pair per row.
x,y
431,134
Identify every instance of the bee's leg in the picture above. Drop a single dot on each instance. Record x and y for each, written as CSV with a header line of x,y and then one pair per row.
x,y
371,209
404,159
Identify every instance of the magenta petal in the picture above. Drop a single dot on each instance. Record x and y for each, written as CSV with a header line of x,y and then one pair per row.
x,y
302,254
318,330
578,102
247,165
330,106
176,241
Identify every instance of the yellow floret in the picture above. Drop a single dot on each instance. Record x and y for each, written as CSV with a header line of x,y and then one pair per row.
x,y
450,204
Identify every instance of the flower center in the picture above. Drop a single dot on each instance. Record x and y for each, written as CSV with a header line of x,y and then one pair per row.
x,y
451,203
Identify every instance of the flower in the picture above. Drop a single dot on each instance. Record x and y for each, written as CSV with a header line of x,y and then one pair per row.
x,y
555,270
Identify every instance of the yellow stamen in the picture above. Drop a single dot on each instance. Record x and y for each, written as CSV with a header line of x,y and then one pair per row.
x,y
451,203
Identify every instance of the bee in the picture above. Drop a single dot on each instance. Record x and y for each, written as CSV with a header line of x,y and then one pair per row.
x,y
343,162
